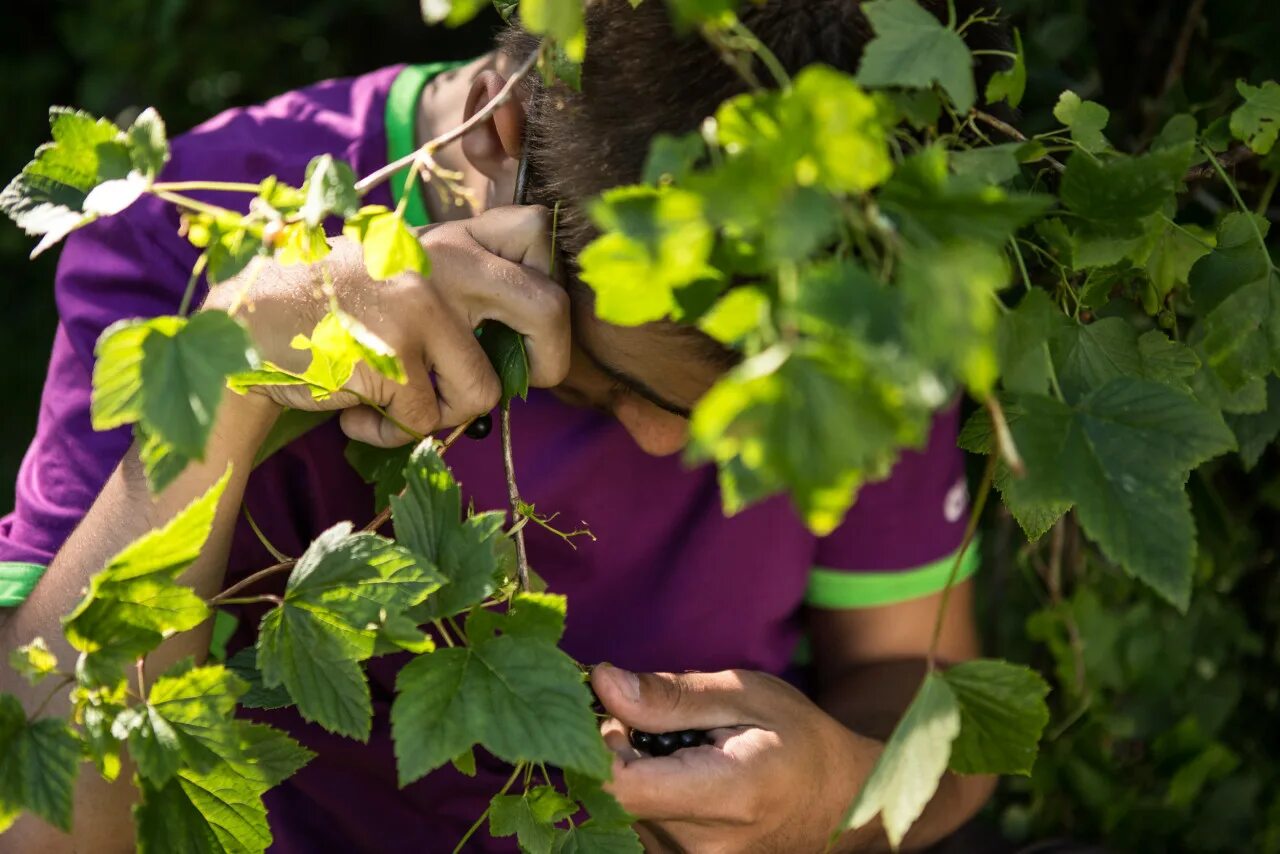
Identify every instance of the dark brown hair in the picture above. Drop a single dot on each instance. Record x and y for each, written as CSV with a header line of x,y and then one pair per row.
x,y
641,78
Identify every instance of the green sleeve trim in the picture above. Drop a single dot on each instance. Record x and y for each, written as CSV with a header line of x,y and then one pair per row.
x,y
402,122
833,588
17,580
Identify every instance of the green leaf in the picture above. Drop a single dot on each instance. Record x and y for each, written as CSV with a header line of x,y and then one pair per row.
x,y
1256,431
1257,120
330,190
655,240
736,315
592,838
148,143
992,164
505,349
1086,357
48,197
230,242
1131,444
562,20
1123,187
383,468
1175,252
428,522
33,661
186,722
390,248
292,424
219,811
913,48
1022,346
340,591
1011,83
453,13
244,664
914,759
520,698
933,206
38,765
531,817
1085,119
1002,714
168,374
1237,260
689,13
134,602
603,807
671,158
950,293
816,421
337,344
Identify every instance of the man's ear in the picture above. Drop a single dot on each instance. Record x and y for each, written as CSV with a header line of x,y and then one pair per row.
x,y
493,146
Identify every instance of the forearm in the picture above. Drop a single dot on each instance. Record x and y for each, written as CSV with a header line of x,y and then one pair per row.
x,y
124,511
870,699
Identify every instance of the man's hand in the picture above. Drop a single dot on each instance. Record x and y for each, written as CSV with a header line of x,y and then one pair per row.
x,y
491,267
778,778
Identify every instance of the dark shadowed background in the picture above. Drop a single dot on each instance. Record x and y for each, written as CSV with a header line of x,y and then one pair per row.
x,y
1168,741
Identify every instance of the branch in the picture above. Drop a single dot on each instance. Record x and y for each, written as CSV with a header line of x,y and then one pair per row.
x,y
975,515
1013,133
376,177
1178,61
286,565
1227,160
513,495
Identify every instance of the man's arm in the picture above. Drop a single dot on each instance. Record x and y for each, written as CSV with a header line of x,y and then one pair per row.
x,y
868,664
124,511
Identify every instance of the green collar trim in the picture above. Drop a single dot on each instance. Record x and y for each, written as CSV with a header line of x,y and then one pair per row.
x,y
834,588
402,116
17,580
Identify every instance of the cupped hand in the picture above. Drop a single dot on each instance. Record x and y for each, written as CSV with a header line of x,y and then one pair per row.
x,y
494,266
778,777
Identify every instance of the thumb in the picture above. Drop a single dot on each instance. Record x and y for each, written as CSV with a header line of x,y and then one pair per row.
x,y
665,702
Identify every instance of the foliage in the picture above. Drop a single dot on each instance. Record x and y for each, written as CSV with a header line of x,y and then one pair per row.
x,y
870,226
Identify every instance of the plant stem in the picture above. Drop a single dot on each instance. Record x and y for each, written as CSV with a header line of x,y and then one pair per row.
x,y
140,667
249,580
443,632
66,680
262,538
513,495
253,600
373,179
1012,132
190,292
761,51
1235,194
212,186
1004,439
980,502
471,832
385,514
1228,159
191,204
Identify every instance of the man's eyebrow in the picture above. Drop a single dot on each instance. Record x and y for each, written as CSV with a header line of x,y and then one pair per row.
x,y
634,385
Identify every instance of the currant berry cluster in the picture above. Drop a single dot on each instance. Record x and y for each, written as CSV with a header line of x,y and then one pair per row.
x,y
667,743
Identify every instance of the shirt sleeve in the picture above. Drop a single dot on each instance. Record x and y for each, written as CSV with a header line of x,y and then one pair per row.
x,y
115,268
901,537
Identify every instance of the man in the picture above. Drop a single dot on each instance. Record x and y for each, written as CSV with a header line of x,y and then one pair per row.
x,y
704,612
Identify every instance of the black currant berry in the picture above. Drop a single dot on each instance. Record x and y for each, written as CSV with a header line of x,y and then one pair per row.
x,y
665,744
692,738
642,741
479,428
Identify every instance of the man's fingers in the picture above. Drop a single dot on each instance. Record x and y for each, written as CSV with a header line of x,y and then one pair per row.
x,y
518,233
664,702
466,383
689,784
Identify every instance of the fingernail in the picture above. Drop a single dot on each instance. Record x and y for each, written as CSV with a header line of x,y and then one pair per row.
x,y
628,683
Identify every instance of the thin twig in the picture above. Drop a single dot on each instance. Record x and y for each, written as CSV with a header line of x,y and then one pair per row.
x,y
480,821
513,495
1005,445
249,580
1178,61
1229,159
1013,133
262,538
140,666
66,680
384,515
376,177
988,477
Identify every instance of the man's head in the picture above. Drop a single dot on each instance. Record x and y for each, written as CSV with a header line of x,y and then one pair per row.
x,y
640,78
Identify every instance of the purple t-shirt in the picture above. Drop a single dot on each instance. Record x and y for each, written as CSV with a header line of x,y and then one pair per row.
x,y
671,584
